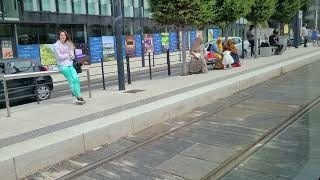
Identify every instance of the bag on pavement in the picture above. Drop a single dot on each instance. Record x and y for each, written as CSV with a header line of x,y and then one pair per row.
x,y
227,58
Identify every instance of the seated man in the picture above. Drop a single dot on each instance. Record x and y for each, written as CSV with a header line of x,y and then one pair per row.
x,y
274,41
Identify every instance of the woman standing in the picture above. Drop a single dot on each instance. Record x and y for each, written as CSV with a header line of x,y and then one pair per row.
x,y
198,62
64,52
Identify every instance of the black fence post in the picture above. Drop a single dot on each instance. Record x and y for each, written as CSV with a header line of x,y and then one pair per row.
x,y
37,92
150,71
168,63
102,72
259,43
153,60
128,69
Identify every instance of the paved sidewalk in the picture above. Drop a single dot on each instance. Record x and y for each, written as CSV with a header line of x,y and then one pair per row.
x,y
58,118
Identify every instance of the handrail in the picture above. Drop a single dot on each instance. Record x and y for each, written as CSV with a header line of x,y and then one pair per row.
x,y
5,78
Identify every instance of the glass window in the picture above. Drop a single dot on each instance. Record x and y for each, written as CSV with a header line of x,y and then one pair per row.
x,y
47,34
48,5
137,8
94,30
31,5
27,34
93,7
106,8
128,26
79,6
128,8
10,10
78,35
147,11
65,6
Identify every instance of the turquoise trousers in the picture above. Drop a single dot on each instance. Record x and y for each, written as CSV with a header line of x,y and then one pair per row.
x,y
72,77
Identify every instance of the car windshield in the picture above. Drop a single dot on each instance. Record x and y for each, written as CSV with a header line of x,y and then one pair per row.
x,y
15,67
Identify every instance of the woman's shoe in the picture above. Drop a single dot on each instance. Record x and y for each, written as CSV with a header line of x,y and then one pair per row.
x,y
80,101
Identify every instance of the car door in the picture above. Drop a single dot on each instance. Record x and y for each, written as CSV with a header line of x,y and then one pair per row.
x,y
19,89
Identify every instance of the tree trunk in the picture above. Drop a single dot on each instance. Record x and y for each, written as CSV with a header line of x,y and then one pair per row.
x,y
256,40
226,31
184,52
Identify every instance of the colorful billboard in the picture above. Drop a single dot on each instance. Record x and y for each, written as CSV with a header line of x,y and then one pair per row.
x,y
31,51
130,46
7,51
96,49
148,43
138,45
157,43
47,54
165,41
108,48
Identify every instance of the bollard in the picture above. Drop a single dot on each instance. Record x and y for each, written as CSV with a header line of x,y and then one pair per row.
x,y
102,72
259,46
128,70
6,96
168,63
150,72
153,59
37,93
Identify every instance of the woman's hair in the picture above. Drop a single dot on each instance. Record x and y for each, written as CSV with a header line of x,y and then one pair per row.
x,y
68,37
197,43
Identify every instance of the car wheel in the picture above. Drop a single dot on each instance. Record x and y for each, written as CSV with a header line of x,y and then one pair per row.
x,y
43,91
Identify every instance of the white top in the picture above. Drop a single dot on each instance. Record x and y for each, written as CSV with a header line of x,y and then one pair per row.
x,y
304,31
64,53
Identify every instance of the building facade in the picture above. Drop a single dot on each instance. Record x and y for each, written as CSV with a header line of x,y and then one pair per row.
x,y
24,22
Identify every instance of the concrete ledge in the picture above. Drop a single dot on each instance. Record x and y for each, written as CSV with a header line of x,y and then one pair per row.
x,y
23,159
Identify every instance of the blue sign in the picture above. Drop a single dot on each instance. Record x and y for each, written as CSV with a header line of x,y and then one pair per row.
x,y
31,51
96,49
173,42
193,36
216,33
123,47
157,43
138,41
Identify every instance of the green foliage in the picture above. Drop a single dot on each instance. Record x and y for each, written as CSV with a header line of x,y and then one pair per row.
x,y
261,10
181,13
229,11
286,9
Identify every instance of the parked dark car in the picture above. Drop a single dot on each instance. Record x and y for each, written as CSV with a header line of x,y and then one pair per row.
x,y
22,89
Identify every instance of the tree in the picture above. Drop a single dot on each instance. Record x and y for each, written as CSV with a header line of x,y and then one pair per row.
x,y
261,11
229,11
182,13
286,9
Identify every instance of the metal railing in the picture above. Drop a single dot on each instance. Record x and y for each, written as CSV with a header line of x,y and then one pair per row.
x,y
6,78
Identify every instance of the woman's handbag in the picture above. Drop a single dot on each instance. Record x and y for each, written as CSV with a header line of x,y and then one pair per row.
x,y
77,65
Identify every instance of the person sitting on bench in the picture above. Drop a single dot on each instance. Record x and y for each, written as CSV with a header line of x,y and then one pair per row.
x,y
274,41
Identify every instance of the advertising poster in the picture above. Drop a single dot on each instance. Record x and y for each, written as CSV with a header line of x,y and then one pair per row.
x,y
148,43
210,35
193,36
157,43
47,54
165,41
138,45
130,46
31,51
216,33
173,42
187,40
108,48
7,51
96,49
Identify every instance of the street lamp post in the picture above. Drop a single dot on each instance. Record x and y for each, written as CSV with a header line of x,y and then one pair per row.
x,y
118,29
